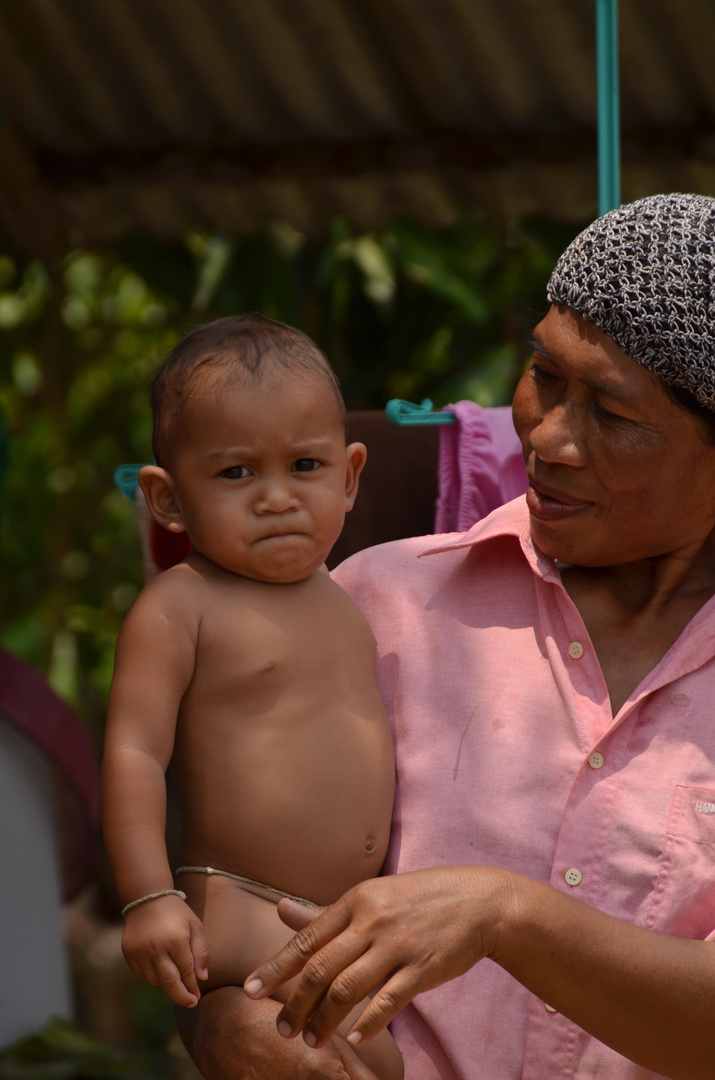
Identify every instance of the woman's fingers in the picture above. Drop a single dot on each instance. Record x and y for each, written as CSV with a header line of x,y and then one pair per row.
x,y
341,957
383,1007
292,958
295,915
321,1002
352,985
405,933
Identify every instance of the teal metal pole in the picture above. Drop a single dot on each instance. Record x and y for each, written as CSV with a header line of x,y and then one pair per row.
x,y
609,136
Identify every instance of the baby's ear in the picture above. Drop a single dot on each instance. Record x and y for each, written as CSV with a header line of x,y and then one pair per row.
x,y
160,493
356,457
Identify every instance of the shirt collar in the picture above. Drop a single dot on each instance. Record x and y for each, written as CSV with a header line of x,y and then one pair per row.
x,y
510,520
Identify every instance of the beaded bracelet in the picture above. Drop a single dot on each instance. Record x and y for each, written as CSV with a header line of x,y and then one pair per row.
x,y
152,896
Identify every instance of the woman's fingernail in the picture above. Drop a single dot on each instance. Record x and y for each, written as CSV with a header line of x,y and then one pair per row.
x,y
354,1038
309,1039
284,1028
253,986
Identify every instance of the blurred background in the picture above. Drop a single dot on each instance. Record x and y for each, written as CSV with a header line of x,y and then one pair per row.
x,y
395,177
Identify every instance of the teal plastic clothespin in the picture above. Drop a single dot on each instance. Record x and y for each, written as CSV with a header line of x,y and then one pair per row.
x,y
126,478
405,412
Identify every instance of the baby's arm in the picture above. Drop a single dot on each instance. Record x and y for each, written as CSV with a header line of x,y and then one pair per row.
x,y
164,941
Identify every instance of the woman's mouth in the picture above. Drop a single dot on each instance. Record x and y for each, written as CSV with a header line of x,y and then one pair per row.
x,y
550,504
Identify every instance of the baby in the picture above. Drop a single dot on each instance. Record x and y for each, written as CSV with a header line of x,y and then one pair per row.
x,y
246,669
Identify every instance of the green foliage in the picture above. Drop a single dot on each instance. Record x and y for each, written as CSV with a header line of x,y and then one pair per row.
x,y
151,1014
407,312
60,1052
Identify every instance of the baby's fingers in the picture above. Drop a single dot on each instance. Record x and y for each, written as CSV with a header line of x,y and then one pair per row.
x,y
178,980
164,972
199,952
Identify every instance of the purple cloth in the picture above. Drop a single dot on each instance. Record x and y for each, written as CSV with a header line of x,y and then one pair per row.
x,y
481,466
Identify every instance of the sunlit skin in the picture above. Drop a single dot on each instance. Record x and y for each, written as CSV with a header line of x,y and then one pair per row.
x,y
622,496
250,671
617,471
621,488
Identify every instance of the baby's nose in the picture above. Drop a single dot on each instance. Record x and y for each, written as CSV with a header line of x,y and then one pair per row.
x,y
275,497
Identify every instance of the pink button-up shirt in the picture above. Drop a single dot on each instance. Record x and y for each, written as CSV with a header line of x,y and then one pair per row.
x,y
508,754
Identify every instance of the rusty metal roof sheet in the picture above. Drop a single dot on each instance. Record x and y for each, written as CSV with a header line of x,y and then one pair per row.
x,y
176,114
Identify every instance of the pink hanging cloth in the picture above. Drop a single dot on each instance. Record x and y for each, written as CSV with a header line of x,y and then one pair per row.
x,y
481,466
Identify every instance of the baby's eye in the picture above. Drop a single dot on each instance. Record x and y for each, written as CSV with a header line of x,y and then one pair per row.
x,y
305,464
235,472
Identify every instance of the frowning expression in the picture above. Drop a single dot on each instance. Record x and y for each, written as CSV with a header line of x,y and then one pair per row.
x,y
263,477
617,470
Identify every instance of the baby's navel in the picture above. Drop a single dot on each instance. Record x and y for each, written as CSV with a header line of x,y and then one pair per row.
x,y
370,845
268,666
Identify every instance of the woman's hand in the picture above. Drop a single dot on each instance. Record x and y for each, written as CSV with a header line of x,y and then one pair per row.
x,y
645,994
232,1038
402,934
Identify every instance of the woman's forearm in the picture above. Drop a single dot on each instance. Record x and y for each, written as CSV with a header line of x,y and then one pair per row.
x,y
647,995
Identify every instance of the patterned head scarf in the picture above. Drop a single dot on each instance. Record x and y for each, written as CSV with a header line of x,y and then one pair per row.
x,y
645,275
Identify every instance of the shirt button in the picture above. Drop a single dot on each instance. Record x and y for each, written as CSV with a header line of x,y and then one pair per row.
x,y
596,760
549,1008
573,876
575,650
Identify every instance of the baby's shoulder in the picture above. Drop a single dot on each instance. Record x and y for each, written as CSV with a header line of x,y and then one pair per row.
x,y
174,594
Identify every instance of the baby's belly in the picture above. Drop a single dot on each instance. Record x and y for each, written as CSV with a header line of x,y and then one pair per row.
x,y
309,827
296,853
243,928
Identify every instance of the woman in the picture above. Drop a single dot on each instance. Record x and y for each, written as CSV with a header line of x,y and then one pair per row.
x,y
550,678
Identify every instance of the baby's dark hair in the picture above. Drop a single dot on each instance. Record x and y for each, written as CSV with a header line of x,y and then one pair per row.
x,y
254,344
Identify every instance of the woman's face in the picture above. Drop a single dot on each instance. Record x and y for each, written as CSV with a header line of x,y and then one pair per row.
x,y
617,471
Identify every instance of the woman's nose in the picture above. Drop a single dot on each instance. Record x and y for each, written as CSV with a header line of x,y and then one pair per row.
x,y
556,439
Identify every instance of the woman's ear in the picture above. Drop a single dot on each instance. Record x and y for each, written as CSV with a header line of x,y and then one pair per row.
x,y
356,455
160,493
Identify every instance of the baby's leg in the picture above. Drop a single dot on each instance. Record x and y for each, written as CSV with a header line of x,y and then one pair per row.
x,y
243,930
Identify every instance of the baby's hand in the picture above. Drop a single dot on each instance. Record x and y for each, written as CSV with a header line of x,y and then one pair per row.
x,y
164,944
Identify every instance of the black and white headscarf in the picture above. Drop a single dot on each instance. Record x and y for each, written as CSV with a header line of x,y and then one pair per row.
x,y
645,275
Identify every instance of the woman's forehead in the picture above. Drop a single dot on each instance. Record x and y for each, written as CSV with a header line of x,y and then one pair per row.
x,y
565,334
581,349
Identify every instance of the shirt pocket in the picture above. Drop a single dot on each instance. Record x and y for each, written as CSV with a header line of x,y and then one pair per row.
x,y
683,901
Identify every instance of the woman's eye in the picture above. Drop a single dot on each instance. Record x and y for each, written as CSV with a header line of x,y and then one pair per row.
x,y
305,464
605,414
235,472
541,374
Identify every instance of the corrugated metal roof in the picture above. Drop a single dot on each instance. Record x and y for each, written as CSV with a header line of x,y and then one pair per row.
x,y
173,114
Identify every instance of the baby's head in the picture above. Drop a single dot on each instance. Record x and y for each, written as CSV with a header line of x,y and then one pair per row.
x,y
249,440
240,348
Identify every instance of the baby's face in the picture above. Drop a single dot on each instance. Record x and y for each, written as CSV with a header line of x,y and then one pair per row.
x,y
263,477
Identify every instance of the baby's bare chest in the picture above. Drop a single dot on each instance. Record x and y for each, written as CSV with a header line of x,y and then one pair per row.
x,y
260,645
